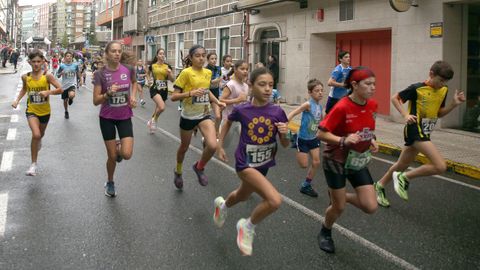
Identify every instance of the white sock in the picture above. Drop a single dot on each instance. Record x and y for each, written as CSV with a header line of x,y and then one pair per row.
x,y
250,225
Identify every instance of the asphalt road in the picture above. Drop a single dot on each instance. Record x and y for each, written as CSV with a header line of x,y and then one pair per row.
x,y
61,219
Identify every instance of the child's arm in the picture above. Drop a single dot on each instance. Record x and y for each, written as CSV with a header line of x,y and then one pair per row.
x,y
397,103
21,94
282,133
215,100
178,94
458,98
226,93
51,80
223,132
304,107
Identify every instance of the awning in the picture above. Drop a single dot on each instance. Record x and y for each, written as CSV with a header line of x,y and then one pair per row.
x,y
29,40
48,42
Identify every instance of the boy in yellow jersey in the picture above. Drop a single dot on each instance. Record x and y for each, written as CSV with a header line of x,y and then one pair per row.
x,y
426,105
36,85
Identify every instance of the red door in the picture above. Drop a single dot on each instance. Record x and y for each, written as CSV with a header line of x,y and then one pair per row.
x,y
371,49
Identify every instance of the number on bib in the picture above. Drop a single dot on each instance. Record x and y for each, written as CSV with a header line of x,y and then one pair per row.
x,y
201,100
428,124
357,161
161,85
258,155
118,99
35,98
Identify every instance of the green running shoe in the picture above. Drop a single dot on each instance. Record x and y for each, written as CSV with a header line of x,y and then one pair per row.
x,y
400,184
381,198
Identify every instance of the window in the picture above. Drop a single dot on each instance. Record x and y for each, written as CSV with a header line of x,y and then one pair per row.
x,y
127,8
153,51
180,48
224,40
152,3
346,10
164,44
199,38
132,7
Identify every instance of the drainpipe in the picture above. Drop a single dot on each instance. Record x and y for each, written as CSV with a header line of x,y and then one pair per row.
x,y
246,30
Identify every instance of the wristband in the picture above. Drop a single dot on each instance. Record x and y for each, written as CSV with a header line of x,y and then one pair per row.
x,y
342,141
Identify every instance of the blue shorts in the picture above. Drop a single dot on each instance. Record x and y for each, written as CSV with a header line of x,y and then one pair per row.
x,y
305,146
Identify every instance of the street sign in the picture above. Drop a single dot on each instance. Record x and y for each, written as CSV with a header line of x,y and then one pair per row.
x,y
150,39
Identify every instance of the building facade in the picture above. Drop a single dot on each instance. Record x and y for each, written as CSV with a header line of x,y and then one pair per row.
x,y
399,46
177,25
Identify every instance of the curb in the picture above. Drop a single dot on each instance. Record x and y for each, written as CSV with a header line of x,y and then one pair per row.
x,y
452,166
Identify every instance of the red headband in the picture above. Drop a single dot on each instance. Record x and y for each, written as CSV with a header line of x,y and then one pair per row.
x,y
360,74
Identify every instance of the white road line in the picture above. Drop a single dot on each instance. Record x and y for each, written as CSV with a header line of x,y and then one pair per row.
x,y
14,118
344,231
11,134
3,213
436,176
7,159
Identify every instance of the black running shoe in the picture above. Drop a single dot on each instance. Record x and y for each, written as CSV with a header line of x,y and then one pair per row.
x,y
66,115
70,101
325,241
308,190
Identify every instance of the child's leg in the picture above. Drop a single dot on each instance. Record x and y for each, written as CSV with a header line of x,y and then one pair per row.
x,y
218,117
364,199
437,165
111,146
338,201
407,156
260,184
302,159
242,193
37,133
315,155
159,106
207,127
185,138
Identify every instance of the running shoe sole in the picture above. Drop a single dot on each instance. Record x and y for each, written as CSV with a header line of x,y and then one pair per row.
x,y
396,184
217,213
246,251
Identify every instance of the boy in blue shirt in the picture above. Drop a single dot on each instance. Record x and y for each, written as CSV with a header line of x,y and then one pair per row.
x,y
337,79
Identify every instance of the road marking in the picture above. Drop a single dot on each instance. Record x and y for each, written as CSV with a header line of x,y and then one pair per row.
x,y
3,212
7,159
14,118
11,134
344,231
436,176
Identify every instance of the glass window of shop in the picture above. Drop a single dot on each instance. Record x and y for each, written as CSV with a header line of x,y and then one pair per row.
x,y
471,121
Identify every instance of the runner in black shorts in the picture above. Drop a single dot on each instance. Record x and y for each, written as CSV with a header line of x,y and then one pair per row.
x,y
348,151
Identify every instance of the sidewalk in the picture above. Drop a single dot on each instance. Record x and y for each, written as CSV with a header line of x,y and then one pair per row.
x,y
461,149
9,69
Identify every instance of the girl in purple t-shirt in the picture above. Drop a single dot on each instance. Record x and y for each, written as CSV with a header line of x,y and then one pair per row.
x,y
115,89
261,122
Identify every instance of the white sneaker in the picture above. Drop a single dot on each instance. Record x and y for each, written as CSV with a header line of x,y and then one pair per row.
x,y
219,215
152,125
179,108
32,171
244,237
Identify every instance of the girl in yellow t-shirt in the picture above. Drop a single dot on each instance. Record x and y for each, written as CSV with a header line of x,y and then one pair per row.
x,y
159,74
36,85
193,87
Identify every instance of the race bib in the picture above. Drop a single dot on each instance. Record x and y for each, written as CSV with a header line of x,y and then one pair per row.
x,y
35,98
161,85
314,125
258,155
118,99
357,161
201,100
428,124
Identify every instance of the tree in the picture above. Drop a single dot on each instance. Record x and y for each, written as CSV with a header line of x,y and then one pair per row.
x,y
64,40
